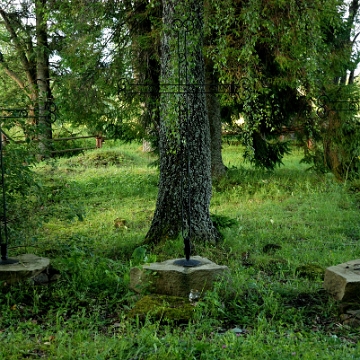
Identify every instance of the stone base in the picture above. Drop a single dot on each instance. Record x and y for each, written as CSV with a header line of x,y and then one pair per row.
x,y
29,265
167,278
343,281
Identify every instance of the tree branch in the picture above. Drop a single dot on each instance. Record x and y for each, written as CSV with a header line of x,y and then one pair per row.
x,y
355,37
21,53
12,75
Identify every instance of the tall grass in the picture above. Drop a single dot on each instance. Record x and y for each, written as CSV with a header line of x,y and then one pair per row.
x,y
95,211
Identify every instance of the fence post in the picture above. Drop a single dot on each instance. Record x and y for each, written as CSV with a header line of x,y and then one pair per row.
x,y
4,139
99,141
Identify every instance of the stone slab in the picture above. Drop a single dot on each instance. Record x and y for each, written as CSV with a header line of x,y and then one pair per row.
x,y
167,278
343,280
29,265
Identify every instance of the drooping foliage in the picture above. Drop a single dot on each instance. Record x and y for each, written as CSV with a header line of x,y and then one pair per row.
x,y
281,57
340,131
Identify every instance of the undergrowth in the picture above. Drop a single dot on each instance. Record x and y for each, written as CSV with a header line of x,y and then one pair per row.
x,y
91,219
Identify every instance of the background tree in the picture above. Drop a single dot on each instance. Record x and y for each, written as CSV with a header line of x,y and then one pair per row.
x,y
340,133
218,169
43,78
278,55
26,59
144,22
93,45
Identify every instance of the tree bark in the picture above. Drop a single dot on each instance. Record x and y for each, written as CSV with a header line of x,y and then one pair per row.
x,y
334,156
218,169
145,58
43,81
185,163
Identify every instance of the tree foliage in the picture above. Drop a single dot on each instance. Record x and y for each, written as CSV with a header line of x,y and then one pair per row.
x,y
282,56
92,49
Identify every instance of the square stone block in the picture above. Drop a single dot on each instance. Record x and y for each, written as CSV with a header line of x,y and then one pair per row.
x,y
343,280
168,278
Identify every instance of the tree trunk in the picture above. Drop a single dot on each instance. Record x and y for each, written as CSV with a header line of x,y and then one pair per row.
x,y
218,169
333,153
43,81
185,164
34,80
145,61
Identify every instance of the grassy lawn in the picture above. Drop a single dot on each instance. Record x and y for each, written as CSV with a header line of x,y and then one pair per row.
x,y
95,210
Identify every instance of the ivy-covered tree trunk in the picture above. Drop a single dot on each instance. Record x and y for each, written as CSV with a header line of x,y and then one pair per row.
x,y
185,161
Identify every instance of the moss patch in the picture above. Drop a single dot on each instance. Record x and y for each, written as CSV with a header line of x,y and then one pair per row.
x,y
310,271
164,308
269,264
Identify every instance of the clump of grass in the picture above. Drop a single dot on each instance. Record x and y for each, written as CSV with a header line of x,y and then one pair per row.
x,y
99,158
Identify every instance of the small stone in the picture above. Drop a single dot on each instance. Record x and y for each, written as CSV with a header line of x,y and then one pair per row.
x,y
343,281
350,320
49,275
354,313
194,295
42,278
120,223
238,331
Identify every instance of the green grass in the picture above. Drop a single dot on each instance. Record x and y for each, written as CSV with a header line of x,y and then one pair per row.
x,y
95,210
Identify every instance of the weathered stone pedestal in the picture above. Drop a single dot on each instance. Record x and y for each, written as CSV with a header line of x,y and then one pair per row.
x,y
343,281
167,278
29,265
